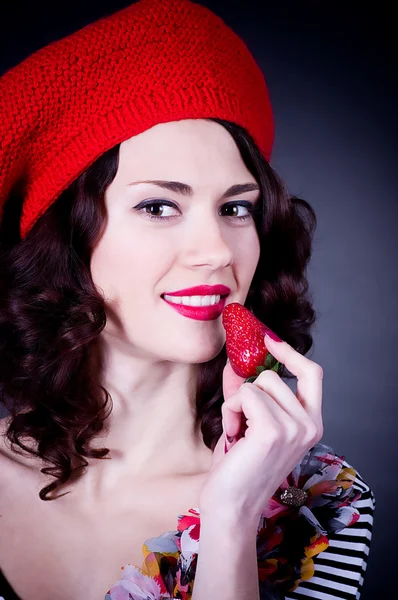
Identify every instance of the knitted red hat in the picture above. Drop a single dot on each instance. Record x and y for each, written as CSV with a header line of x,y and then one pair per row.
x,y
152,62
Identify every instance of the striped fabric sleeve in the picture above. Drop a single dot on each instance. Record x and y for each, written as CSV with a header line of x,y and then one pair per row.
x,y
340,569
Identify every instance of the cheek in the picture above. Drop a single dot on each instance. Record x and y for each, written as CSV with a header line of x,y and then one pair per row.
x,y
248,252
112,263
247,261
122,264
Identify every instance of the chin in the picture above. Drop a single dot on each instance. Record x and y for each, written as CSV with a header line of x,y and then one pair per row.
x,y
202,355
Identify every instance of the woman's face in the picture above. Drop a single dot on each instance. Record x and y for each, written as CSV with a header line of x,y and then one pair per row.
x,y
137,259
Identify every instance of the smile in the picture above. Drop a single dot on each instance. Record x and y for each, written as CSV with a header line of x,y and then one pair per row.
x,y
200,308
193,300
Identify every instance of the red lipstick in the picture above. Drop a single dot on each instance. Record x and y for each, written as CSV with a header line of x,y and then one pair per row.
x,y
201,313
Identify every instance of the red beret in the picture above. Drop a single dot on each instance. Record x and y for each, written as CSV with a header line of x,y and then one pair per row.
x,y
152,62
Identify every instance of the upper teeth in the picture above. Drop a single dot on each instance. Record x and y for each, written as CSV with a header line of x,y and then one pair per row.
x,y
193,300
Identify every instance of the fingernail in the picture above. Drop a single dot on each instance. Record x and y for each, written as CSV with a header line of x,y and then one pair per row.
x,y
272,335
229,442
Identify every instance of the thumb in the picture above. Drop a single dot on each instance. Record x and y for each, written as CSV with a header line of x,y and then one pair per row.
x,y
231,381
232,420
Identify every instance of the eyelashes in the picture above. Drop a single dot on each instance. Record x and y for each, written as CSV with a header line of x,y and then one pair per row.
x,y
253,209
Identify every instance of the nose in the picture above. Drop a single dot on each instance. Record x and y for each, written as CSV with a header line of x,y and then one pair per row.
x,y
207,245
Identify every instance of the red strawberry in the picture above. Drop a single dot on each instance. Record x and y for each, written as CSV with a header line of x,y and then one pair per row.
x,y
245,345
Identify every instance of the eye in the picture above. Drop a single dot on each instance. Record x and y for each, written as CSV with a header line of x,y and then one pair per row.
x,y
156,210
235,207
156,206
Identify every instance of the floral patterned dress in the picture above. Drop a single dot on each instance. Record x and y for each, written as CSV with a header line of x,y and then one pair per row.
x,y
316,501
304,542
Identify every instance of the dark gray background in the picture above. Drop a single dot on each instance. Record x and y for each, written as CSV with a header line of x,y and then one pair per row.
x,y
331,70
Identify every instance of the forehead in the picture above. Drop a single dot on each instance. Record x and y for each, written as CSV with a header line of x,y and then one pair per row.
x,y
184,150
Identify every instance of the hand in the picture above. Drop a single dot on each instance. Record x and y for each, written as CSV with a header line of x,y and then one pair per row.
x,y
280,428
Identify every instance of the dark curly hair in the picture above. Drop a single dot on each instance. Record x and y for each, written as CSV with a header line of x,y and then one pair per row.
x,y
51,314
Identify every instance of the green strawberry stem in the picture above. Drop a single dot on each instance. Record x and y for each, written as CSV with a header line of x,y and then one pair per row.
x,y
271,364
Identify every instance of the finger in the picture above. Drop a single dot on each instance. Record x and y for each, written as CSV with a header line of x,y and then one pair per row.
x,y
309,377
279,391
257,407
234,418
231,419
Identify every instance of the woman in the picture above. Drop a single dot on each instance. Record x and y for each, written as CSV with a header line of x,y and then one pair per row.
x,y
135,164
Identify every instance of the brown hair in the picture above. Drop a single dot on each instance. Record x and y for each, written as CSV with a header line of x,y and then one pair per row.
x,y
51,314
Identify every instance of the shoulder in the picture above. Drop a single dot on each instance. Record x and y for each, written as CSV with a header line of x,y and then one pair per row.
x,y
367,494
339,566
354,540
314,540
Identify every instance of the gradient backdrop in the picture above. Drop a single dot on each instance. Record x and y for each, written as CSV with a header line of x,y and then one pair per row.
x,y
331,70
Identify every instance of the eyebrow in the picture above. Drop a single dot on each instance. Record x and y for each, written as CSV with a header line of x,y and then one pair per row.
x,y
186,190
